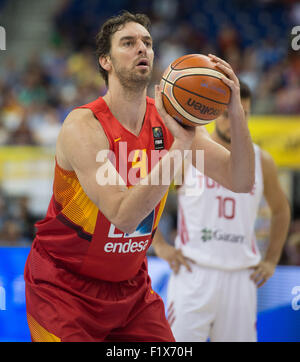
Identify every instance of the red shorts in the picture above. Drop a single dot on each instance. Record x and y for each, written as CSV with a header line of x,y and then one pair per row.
x,y
63,306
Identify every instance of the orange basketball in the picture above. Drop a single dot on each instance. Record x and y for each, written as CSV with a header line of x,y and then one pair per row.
x,y
192,90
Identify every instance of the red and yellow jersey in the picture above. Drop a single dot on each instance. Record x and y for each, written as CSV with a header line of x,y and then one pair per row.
x,y
75,233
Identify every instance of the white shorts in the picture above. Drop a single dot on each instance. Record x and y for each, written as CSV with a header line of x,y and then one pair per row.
x,y
212,304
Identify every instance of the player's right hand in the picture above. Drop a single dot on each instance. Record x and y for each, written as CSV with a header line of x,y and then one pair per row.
x,y
174,257
183,134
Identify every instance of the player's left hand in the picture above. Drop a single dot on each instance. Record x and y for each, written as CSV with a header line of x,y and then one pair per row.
x,y
262,272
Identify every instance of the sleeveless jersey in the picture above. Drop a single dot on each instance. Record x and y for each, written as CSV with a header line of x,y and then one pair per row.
x,y
216,227
75,233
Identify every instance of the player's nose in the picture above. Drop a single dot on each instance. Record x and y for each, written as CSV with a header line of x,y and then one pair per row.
x,y
142,49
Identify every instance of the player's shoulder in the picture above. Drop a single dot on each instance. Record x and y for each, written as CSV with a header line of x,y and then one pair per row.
x,y
268,164
81,120
81,126
266,156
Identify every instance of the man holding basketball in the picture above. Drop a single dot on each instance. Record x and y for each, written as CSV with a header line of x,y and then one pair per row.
x,y
214,294
86,274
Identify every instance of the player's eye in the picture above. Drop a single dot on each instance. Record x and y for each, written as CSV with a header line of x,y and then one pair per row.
x,y
128,43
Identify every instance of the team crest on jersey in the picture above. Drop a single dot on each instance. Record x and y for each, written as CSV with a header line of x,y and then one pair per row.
x,y
158,138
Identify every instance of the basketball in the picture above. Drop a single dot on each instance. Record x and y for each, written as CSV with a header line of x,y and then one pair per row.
x,y
192,90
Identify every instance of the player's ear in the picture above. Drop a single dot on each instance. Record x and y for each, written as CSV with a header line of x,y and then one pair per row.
x,y
105,62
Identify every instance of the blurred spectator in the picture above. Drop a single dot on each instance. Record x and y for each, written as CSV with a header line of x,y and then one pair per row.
x,y
22,135
11,111
11,233
293,249
228,40
2,210
4,136
46,131
16,221
26,218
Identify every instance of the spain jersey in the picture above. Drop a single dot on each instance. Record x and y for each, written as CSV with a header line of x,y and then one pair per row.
x,y
75,233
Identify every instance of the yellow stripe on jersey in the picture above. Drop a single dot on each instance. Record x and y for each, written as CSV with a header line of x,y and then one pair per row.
x,y
39,333
161,209
75,204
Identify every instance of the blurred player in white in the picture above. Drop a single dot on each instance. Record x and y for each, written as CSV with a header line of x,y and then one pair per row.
x,y
214,295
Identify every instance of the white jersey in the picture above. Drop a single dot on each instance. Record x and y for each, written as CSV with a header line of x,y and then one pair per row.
x,y
216,228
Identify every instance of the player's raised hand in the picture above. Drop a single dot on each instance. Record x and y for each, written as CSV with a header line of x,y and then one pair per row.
x,y
235,106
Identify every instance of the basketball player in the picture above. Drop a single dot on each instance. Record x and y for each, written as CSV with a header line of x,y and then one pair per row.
x,y
86,274
214,295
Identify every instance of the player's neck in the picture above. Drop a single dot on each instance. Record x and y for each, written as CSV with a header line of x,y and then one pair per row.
x,y
128,107
215,136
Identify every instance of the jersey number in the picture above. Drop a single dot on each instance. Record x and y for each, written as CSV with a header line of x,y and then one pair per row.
x,y
226,207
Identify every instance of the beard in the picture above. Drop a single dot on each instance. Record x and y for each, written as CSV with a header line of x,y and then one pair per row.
x,y
223,136
134,78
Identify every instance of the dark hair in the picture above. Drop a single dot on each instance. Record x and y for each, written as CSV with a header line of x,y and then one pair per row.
x,y
113,24
245,91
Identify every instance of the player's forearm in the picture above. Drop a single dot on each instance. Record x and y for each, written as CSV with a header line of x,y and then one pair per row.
x,y
138,201
242,159
278,233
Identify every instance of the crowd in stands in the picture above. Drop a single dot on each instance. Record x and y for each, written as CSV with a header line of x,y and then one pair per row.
x,y
35,100
16,221
254,37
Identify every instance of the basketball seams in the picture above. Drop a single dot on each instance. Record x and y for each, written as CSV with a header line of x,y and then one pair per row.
x,y
197,121
207,72
196,71
183,111
170,71
182,60
188,91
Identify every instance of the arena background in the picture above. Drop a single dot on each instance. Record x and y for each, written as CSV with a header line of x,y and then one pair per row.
x,y
47,67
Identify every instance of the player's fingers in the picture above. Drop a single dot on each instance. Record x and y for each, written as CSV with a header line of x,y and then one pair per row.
x,y
217,59
262,282
228,82
255,274
184,261
229,72
261,275
190,260
176,266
